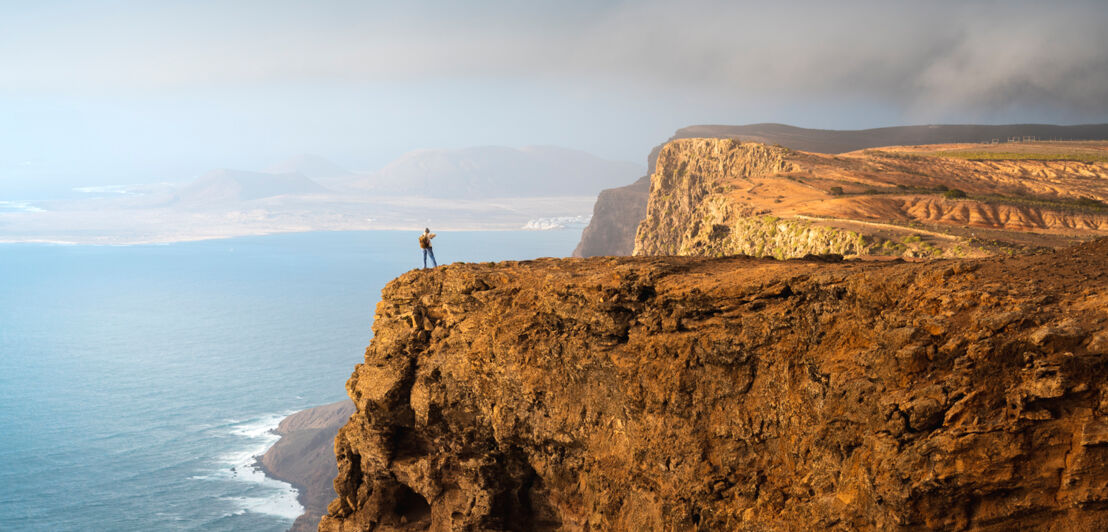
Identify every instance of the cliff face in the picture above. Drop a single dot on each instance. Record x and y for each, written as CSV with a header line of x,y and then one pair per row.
x,y
714,197
305,458
687,393
615,218
603,237
689,173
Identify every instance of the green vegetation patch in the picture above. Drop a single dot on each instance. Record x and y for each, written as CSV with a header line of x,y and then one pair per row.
x,y
1016,156
1083,205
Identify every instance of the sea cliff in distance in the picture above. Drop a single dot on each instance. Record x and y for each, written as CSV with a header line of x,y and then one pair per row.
x,y
716,197
618,211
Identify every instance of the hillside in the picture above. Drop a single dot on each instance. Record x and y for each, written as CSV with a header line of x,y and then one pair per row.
x,y
609,236
721,197
313,167
305,457
224,186
688,393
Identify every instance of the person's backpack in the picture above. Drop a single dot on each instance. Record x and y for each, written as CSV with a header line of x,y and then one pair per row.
x,y
424,242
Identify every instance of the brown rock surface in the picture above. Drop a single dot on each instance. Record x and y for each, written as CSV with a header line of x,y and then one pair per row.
x,y
615,218
604,236
305,457
714,197
686,393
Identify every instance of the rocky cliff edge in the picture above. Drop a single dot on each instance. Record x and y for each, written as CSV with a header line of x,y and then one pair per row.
x,y
686,393
716,197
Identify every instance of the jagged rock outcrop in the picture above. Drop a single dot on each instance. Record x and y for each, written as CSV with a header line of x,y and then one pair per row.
x,y
689,173
305,458
715,197
686,393
603,236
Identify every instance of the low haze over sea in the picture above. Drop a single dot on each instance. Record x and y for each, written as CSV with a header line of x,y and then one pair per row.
x,y
137,383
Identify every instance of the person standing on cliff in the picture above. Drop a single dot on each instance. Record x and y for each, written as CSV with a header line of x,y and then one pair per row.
x,y
425,245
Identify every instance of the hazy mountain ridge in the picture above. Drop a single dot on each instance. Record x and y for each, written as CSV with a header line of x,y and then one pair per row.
x,y
226,185
537,187
313,167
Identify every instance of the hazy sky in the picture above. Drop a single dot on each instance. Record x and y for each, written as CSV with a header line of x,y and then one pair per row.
x,y
110,92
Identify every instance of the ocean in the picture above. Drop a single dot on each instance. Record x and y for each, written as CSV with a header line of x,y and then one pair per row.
x,y
138,383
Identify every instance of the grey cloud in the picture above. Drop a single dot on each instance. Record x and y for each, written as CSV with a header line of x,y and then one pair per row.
x,y
925,57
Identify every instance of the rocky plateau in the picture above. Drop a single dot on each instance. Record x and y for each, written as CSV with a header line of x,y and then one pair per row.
x,y
618,212
717,197
735,393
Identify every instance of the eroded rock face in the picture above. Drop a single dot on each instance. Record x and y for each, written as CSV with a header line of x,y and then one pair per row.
x,y
689,393
615,218
717,197
605,236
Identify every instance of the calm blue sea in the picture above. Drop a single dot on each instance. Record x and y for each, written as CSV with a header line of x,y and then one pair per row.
x,y
137,383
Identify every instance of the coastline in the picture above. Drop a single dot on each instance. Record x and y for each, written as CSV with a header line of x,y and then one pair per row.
x,y
90,222
304,520
124,241
304,457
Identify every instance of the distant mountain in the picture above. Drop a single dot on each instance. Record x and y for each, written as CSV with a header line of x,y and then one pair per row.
x,y
311,166
493,171
225,185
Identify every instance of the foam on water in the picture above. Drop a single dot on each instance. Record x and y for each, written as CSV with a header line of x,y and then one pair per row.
x,y
253,438
557,222
261,427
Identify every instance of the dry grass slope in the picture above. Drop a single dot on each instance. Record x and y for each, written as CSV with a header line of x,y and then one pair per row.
x,y
715,197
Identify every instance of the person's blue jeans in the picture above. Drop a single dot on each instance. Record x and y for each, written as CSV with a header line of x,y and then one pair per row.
x,y
429,252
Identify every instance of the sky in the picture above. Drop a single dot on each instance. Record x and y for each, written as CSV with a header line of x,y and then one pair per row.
x,y
116,92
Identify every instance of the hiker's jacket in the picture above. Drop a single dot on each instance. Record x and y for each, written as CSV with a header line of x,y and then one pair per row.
x,y
425,240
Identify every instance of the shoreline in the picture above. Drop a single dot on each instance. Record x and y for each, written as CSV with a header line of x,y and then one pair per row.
x,y
304,457
125,242
301,495
283,500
